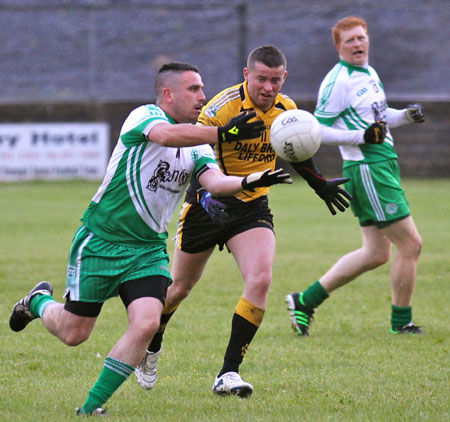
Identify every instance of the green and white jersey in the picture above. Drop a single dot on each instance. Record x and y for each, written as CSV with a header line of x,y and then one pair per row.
x,y
352,98
144,182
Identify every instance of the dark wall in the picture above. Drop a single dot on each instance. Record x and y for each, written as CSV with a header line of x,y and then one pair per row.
x,y
110,50
424,150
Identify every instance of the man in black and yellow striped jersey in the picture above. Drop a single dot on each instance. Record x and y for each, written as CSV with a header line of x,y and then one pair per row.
x,y
243,222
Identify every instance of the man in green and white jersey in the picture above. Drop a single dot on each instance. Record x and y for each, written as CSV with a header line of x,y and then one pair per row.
x,y
354,115
120,250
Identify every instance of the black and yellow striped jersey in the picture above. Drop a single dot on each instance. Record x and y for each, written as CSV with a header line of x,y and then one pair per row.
x,y
243,158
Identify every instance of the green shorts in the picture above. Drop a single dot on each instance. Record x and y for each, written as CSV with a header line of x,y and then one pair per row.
x,y
378,198
97,267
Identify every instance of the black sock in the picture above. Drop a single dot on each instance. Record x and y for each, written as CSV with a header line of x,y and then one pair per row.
x,y
242,333
155,344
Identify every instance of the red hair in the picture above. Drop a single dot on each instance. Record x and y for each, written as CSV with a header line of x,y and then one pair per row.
x,y
345,24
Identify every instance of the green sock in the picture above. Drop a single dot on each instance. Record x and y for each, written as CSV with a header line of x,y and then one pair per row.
x,y
314,295
401,316
114,373
38,304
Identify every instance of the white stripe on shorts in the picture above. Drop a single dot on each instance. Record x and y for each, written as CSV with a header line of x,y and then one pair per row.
x,y
371,192
77,282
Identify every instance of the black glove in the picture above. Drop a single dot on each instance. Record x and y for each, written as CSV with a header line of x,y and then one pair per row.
x,y
214,208
332,194
238,128
415,114
375,133
265,178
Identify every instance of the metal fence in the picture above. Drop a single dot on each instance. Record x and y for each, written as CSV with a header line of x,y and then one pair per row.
x,y
106,50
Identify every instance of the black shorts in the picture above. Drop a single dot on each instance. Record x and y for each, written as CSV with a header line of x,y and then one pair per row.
x,y
198,233
152,286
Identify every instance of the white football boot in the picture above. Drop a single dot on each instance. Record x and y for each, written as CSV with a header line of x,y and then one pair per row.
x,y
146,371
232,383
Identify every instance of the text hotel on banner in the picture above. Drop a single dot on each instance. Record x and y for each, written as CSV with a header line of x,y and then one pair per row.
x,y
53,151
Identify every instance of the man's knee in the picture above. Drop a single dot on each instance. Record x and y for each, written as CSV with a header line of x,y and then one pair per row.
x,y
260,282
417,245
411,247
73,329
381,258
146,324
375,257
178,291
74,337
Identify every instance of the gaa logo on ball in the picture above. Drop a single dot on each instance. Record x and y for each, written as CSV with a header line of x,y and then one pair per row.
x,y
295,135
288,121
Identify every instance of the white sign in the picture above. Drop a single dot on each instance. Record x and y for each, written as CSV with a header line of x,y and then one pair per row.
x,y
53,151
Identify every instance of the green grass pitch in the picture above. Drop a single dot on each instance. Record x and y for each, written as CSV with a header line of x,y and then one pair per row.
x,y
350,369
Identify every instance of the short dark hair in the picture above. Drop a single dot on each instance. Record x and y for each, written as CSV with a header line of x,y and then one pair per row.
x,y
178,67
269,55
173,67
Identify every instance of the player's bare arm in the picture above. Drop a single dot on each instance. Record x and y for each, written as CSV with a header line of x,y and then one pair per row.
x,y
186,134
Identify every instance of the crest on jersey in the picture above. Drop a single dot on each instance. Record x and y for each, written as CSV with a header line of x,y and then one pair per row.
x,y
163,175
211,111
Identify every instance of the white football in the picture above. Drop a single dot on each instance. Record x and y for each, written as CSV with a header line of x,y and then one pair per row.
x,y
295,135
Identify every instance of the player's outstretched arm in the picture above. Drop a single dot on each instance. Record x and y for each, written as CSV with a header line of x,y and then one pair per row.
x,y
218,184
374,134
238,128
215,183
265,178
186,134
328,190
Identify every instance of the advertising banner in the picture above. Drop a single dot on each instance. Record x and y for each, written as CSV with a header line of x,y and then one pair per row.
x,y
53,151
